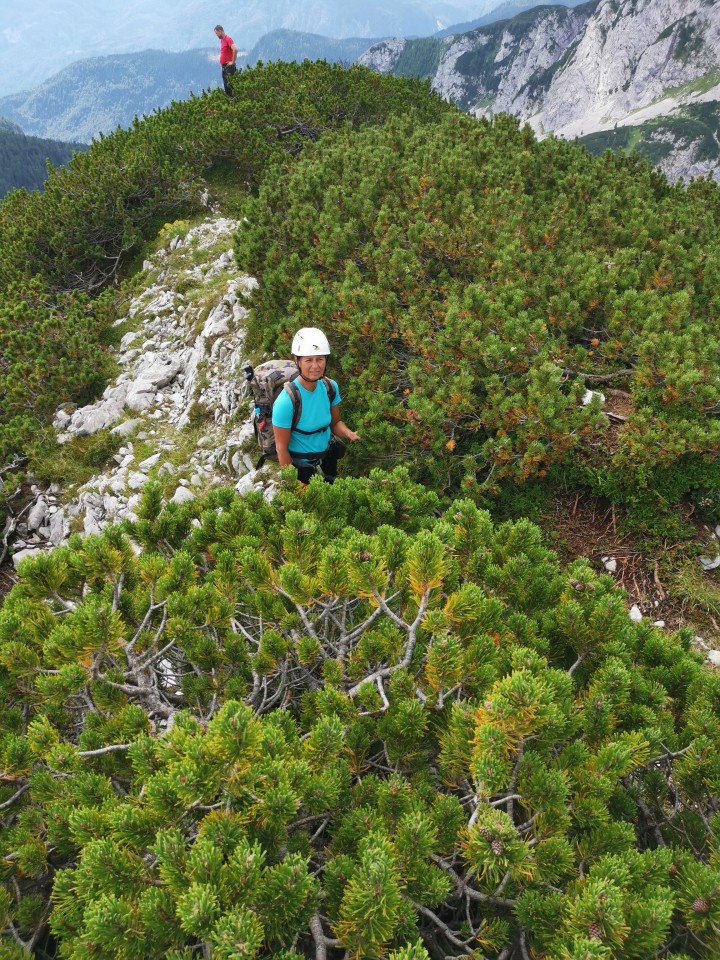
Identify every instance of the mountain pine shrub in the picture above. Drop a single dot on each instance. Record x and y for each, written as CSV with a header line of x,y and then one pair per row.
x,y
96,211
347,723
474,283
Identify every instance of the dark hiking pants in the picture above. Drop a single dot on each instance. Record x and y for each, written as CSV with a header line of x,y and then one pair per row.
x,y
227,71
325,463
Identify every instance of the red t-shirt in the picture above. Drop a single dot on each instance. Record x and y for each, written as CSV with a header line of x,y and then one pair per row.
x,y
226,54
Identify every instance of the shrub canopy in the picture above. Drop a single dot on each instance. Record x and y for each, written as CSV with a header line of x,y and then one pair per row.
x,y
60,249
362,720
476,282
345,721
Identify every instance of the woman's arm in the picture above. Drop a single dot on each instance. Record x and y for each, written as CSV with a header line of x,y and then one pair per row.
x,y
339,429
282,442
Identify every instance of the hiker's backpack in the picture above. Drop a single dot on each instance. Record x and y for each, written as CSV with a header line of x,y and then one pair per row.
x,y
266,381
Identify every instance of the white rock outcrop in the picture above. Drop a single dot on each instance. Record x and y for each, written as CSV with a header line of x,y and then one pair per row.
x,y
383,56
181,357
629,56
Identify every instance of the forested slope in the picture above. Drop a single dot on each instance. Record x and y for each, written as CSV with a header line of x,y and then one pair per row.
x,y
366,720
101,93
24,160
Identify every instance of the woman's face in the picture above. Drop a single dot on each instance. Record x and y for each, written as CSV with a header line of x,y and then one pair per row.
x,y
312,368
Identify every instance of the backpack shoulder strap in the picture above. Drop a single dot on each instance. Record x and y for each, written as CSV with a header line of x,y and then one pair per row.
x,y
330,387
291,389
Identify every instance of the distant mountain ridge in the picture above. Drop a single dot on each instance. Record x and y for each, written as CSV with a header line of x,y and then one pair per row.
x,y
98,94
9,125
102,93
579,70
74,30
505,11
297,46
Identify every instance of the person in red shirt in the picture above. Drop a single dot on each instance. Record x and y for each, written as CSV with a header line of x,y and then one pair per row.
x,y
228,56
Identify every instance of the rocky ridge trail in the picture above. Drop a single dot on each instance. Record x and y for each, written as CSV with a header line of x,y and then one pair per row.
x,y
177,410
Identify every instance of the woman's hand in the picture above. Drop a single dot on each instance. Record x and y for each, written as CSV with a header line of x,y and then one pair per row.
x,y
339,429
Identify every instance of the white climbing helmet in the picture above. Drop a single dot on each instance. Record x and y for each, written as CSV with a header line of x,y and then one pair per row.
x,y
310,342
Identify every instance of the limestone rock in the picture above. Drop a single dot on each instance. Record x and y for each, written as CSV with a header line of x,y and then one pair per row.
x,y
128,427
136,480
218,322
58,528
38,513
94,417
182,495
182,354
383,56
17,558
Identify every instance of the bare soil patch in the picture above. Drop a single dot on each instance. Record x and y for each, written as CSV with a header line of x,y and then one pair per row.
x,y
7,580
582,525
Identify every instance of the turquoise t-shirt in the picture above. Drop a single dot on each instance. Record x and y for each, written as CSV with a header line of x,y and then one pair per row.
x,y
315,414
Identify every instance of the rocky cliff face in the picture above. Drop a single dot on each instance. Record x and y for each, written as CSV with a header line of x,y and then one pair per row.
x,y
573,72
513,60
632,56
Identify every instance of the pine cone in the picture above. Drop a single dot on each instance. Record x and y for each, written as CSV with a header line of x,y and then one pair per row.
x,y
485,833
497,847
580,585
594,931
700,905
673,870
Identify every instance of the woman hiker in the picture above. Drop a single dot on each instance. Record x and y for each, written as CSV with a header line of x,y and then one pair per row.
x,y
316,440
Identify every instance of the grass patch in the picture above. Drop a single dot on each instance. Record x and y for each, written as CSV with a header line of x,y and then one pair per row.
x,y
482,103
133,265
227,190
699,85
74,463
656,139
699,592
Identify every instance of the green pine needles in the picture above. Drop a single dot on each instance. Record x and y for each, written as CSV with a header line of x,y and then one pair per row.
x,y
347,723
474,282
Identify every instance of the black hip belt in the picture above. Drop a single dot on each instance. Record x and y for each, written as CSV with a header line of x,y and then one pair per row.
x,y
307,457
